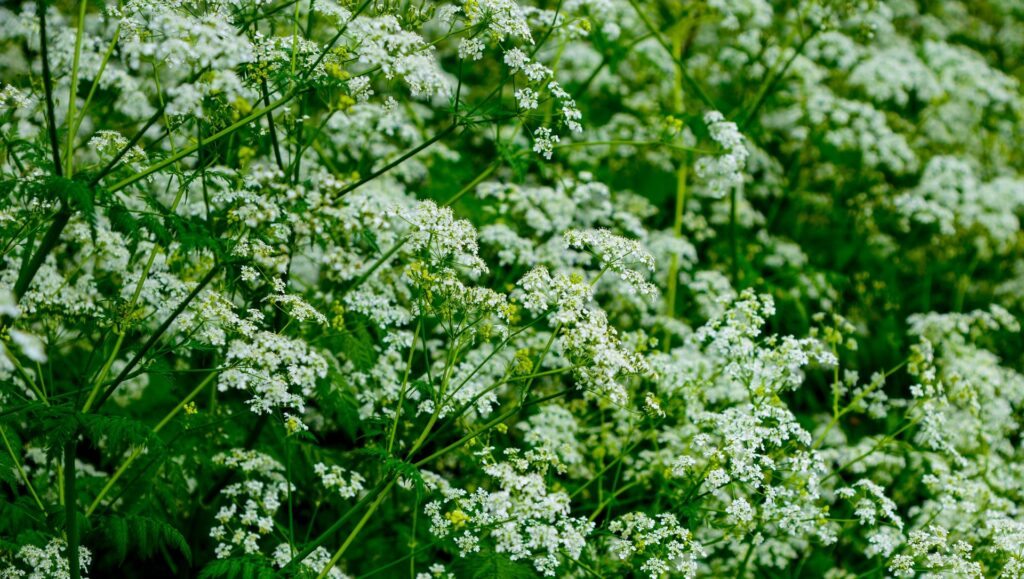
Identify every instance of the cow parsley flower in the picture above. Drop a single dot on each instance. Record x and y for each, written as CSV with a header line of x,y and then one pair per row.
x,y
544,142
436,231
521,516
725,171
252,503
49,562
655,545
471,48
617,254
315,562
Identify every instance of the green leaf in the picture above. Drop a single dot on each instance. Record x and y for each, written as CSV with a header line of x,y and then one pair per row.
x,y
19,515
241,567
8,474
391,462
142,535
487,564
357,344
117,433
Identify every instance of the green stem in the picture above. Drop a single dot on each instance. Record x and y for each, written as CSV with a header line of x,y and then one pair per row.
x,y
96,81
138,451
251,117
104,371
668,48
71,507
742,571
322,538
405,383
733,242
624,143
31,266
21,471
79,32
673,269
122,376
51,121
494,422
25,375
609,500
839,413
355,532
409,154
604,469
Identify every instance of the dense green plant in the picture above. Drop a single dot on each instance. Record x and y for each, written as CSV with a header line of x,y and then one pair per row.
x,y
498,288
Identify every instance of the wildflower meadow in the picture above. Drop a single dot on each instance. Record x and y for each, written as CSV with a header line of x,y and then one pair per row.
x,y
511,289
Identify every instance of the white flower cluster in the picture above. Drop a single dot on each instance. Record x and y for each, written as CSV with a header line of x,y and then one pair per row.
x,y
660,544
402,53
856,126
49,562
522,518
315,562
279,372
504,18
165,33
616,253
295,305
568,293
348,484
723,172
444,238
249,515
602,363
871,503
929,550
555,429
544,142
110,143
894,75
952,198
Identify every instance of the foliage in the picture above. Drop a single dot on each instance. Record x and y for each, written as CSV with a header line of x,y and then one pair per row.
x,y
511,288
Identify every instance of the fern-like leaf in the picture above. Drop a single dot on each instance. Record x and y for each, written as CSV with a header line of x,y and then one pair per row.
x,y
238,568
488,564
143,535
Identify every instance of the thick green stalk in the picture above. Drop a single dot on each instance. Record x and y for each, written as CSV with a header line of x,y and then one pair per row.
x,y
405,384
30,266
71,506
51,120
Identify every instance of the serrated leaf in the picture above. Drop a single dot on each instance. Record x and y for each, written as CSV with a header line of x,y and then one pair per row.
x,y
488,564
238,567
117,433
143,535
357,344
390,462
8,472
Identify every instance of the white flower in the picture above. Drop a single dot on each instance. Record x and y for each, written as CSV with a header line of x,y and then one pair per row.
x,y
471,48
725,171
660,545
527,98
348,484
31,346
544,142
